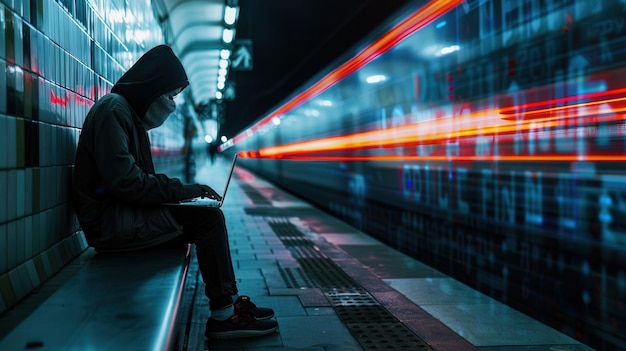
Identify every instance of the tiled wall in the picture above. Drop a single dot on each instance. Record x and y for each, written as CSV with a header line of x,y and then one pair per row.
x,y
56,58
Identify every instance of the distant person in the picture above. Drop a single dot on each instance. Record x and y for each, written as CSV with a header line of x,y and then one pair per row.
x,y
190,132
212,151
118,197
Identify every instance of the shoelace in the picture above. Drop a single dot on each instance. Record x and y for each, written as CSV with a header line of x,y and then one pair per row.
x,y
245,304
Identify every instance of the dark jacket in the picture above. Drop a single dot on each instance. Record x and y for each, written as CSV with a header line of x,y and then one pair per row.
x,y
116,193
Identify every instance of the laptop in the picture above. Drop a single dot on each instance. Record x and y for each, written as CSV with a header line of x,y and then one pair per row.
x,y
207,202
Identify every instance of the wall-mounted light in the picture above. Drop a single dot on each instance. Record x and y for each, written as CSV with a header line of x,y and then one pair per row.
x,y
448,50
218,95
376,78
326,103
225,54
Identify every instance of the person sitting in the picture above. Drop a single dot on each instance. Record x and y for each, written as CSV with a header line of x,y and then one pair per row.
x,y
119,199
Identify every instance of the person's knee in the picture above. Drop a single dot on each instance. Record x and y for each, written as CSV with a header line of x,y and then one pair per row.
x,y
220,215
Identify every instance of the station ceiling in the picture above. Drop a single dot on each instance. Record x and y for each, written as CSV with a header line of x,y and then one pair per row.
x,y
289,42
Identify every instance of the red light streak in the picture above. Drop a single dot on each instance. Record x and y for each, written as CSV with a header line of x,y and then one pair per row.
x,y
518,158
539,109
420,18
480,123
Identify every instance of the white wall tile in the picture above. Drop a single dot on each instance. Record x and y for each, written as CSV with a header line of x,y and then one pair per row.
x,y
32,273
3,77
36,239
44,144
11,244
18,35
28,191
18,6
29,251
63,185
11,194
17,283
3,131
20,240
3,249
48,229
11,142
21,193
43,230
2,42
4,184
25,279
54,140
43,191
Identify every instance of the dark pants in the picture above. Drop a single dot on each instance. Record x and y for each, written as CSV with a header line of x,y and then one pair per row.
x,y
206,228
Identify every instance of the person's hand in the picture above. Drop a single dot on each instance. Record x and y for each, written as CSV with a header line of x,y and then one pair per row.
x,y
210,193
198,190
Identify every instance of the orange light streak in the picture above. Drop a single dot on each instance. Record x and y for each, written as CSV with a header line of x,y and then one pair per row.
x,y
480,123
542,113
529,107
416,21
518,158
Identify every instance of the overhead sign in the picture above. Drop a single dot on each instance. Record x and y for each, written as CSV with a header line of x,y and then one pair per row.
x,y
242,55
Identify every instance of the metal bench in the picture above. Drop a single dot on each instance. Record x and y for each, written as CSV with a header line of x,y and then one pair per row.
x,y
128,301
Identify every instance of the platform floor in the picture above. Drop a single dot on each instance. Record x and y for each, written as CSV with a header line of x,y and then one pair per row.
x,y
335,288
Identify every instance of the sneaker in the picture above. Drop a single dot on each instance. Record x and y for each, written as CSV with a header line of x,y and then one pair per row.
x,y
243,306
239,327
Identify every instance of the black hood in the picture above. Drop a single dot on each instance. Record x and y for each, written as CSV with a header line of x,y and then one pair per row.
x,y
157,72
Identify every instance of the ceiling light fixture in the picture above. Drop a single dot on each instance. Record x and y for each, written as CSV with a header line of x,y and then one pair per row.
x,y
376,79
230,15
228,35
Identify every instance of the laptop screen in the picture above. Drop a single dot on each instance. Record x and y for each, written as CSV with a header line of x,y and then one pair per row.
x,y
230,174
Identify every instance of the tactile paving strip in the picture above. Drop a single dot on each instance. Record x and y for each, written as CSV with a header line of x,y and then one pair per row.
x,y
295,278
369,322
254,195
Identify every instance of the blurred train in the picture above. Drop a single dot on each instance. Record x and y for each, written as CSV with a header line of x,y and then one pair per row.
x,y
486,139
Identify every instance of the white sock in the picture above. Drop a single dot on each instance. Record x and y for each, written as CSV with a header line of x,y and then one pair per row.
x,y
223,313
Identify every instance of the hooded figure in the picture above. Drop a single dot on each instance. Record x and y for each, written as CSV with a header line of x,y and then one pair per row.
x,y
118,197
116,191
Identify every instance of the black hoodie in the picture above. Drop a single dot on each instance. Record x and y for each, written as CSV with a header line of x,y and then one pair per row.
x,y
115,189
157,72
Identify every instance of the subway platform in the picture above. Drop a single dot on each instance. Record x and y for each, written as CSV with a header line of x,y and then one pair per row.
x,y
332,287
335,288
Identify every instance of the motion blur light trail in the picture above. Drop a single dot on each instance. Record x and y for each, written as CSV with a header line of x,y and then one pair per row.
x,y
481,123
410,25
489,143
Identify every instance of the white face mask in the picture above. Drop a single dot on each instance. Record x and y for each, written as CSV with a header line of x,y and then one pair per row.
x,y
158,112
